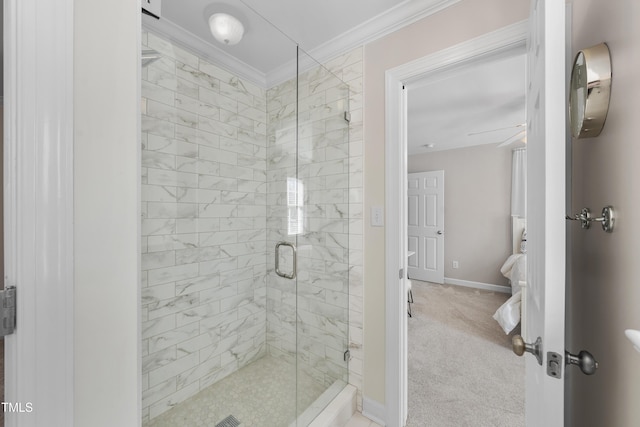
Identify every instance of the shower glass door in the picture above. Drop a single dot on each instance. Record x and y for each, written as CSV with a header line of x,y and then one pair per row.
x,y
319,218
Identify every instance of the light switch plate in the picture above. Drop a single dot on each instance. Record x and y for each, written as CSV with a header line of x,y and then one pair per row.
x,y
377,216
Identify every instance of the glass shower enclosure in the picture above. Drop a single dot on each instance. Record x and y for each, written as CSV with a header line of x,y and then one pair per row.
x,y
245,239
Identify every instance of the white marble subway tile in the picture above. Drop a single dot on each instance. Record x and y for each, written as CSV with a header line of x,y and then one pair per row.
x,y
200,283
253,113
236,120
217,211
218,155
173,369
158,193
172,114
167,178
252,161
237,197
158,226
251,260
158,359
157,127
174,399
158,260
195,255
158,326
217,238
217,266
186,133
256,136
172,305
236,172
215,323
197,225
216,99
215,71
199,313
236,92
171,242
196,76
258,187
173,337
243,248
196,344
199,371
170,210
157,143
162,77
246,148
233,276
152,159
199,166
187,88
158,93
171,274
160,391
217,127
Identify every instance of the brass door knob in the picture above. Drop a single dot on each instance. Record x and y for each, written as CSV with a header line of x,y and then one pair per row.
x,y
520,347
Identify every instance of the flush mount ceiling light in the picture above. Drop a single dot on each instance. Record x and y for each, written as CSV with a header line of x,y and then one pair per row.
x,y
225,28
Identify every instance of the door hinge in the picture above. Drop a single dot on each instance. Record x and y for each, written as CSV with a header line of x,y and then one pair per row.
x,y
347,116
401,273
8,310
347,356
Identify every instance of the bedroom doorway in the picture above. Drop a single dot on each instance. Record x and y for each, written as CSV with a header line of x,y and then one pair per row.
x,y
438,66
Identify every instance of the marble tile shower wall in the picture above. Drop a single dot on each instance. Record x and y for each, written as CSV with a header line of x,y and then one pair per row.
x,y
203,225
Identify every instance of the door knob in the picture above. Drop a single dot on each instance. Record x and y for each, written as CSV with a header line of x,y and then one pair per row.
x,y
439,232
584,360
520,347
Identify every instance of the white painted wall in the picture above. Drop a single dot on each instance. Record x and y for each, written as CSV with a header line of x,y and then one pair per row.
x,y
444,29
106,174
604,296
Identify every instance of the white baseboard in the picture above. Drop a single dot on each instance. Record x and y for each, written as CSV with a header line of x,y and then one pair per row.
x,y
478,285
373,410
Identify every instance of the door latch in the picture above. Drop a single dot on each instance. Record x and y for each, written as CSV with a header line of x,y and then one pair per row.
x,y
8,310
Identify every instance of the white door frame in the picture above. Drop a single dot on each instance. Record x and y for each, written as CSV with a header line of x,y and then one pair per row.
x,y
474,50
38,208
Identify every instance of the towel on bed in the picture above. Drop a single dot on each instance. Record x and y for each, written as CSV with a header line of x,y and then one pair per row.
x,y
515,269
508,315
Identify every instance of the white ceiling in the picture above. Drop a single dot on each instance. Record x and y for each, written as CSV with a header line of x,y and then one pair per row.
x,y
486,100
443,109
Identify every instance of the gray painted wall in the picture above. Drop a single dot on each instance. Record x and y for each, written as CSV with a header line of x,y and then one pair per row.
x,y
604,295
477,222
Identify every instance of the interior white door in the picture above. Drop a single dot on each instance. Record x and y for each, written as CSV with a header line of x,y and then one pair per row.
x,y
546,145
425,206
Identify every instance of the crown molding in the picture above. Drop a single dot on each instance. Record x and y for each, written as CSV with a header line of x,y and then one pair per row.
x,y
203,49
400,16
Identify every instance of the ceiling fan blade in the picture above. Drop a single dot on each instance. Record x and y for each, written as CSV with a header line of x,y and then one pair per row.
x,y
497,129
512,138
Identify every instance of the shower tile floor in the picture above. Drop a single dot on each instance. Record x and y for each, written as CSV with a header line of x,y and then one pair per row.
x,y
259,395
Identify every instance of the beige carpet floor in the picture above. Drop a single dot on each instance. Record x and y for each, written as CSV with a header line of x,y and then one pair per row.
x,y
462,371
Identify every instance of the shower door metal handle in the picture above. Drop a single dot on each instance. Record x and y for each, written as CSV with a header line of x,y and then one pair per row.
x,y
291,275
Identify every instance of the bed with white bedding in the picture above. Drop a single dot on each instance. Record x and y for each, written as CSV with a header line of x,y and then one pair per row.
x,y
515,269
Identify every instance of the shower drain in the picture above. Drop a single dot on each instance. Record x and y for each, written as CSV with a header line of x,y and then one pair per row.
x,y
230,421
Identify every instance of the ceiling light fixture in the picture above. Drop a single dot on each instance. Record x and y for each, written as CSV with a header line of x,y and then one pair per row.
x,y
429,145
225,28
